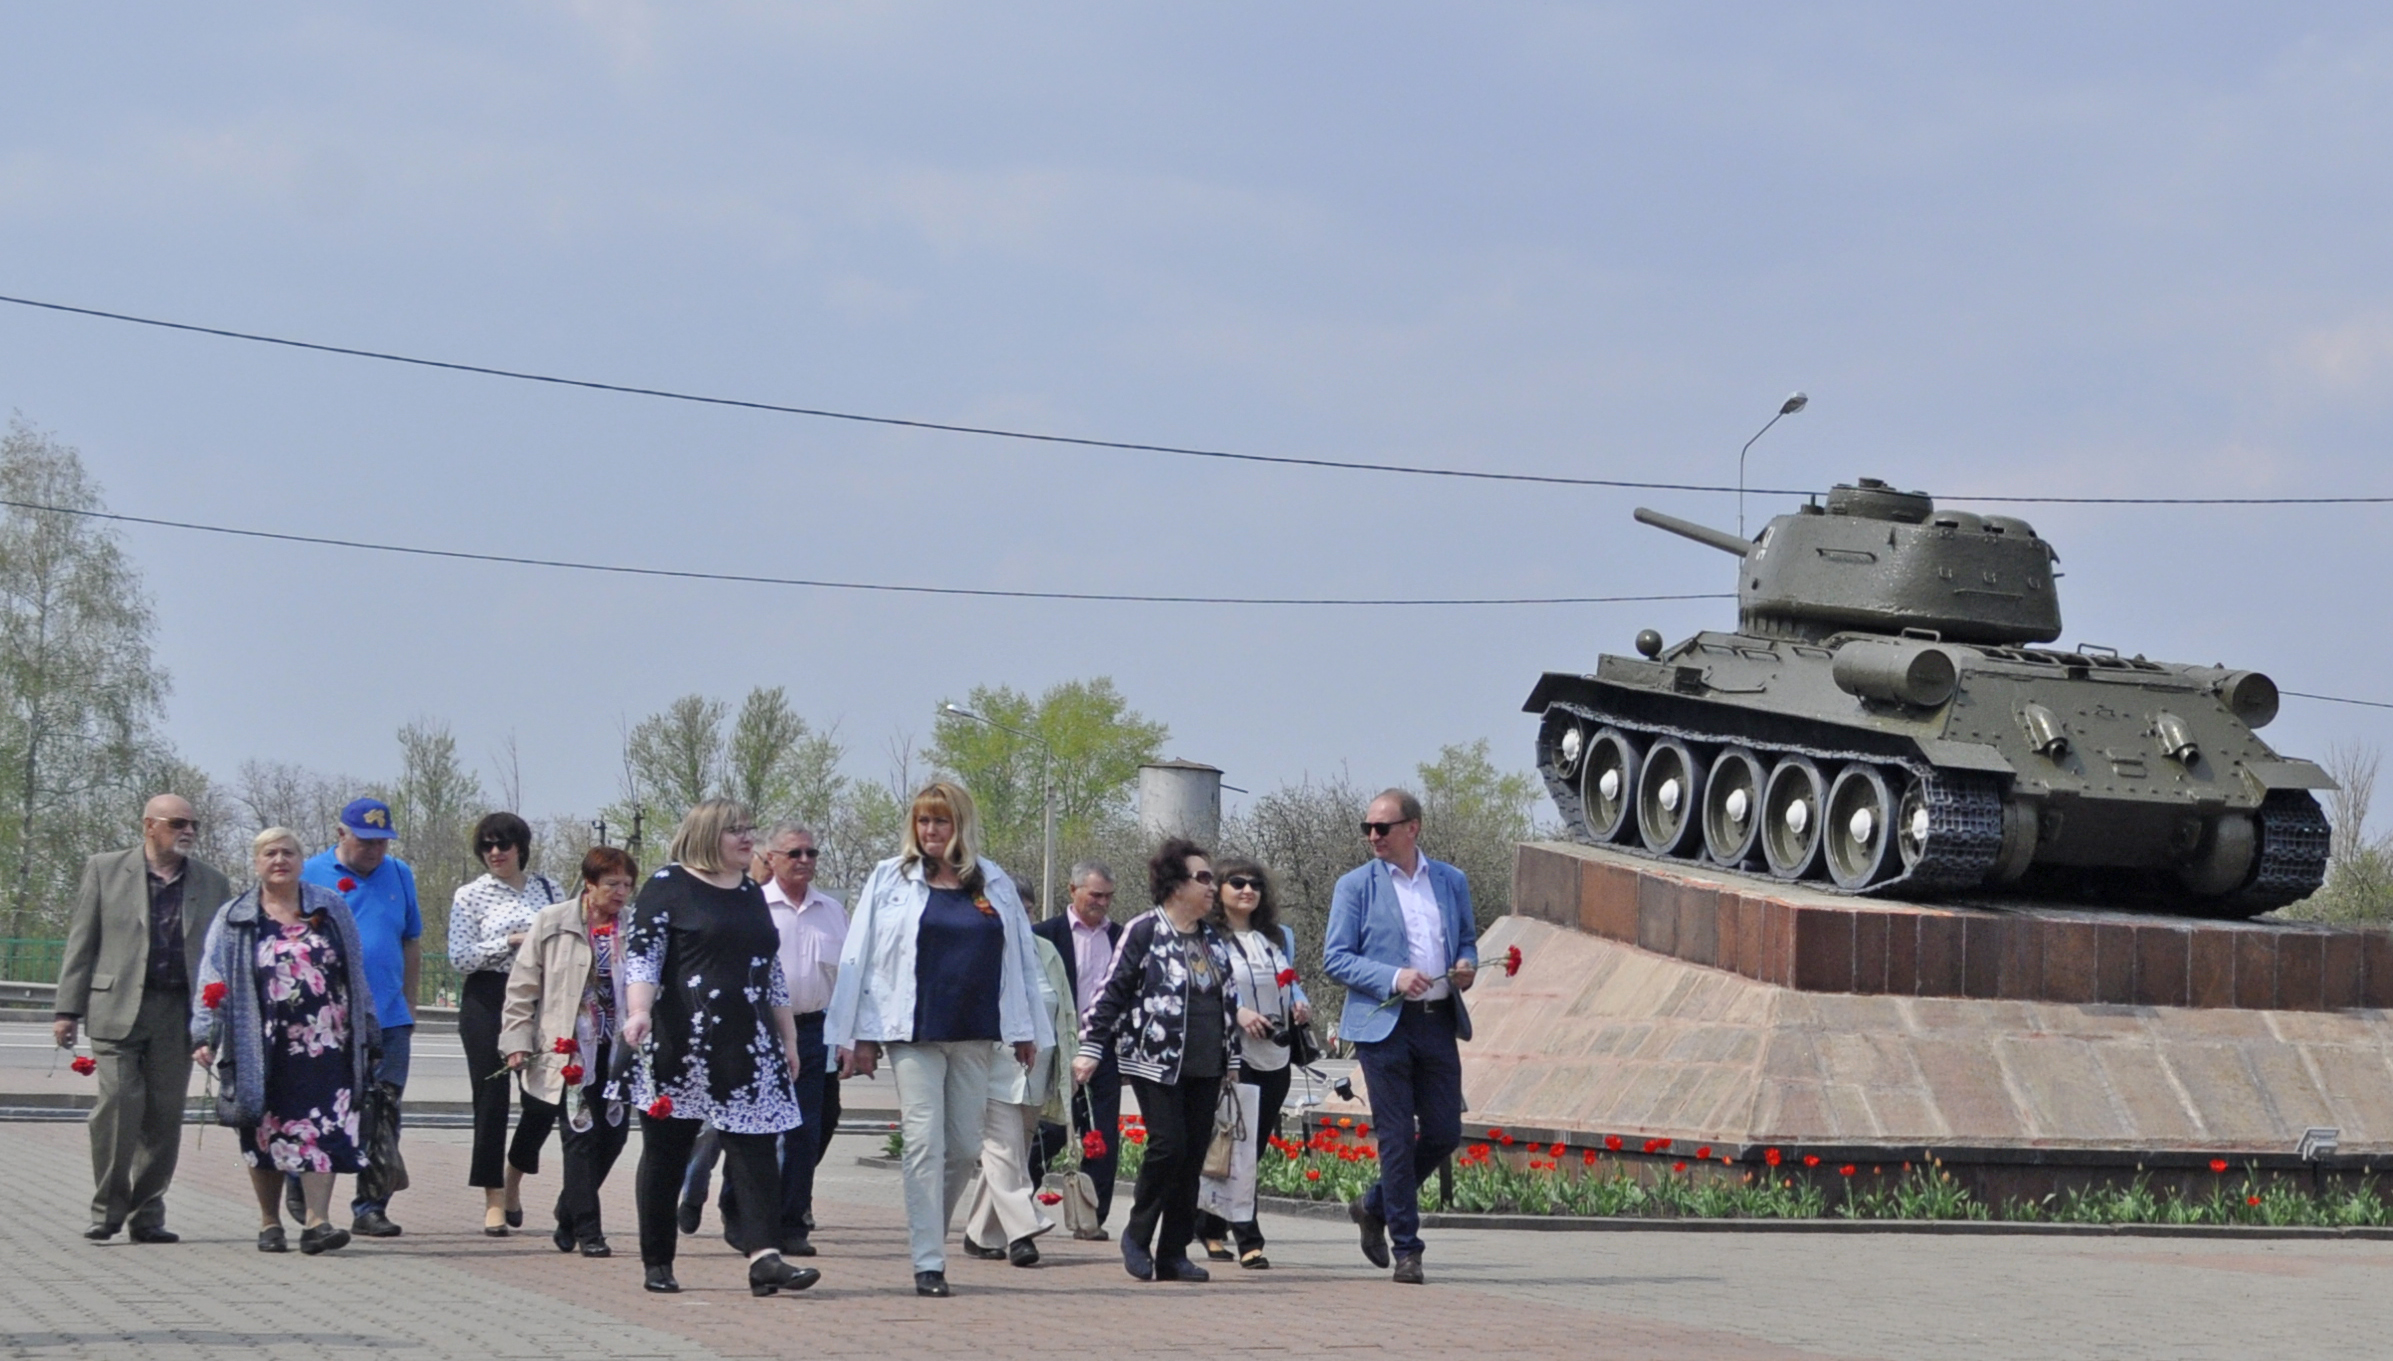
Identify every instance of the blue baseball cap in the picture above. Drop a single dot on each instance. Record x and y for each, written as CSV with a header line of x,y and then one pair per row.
x,y
368,820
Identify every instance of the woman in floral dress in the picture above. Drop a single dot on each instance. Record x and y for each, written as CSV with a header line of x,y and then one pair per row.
x,y
708,1006
285,1015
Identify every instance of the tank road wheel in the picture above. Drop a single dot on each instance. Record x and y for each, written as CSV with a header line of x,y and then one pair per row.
x,y
1670,799
1861,827
1791,804
1912,824
1732,806
1608,785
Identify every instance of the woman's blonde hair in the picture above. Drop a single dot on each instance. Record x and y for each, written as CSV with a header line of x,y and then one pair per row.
x,y
947,798
698,842
273,836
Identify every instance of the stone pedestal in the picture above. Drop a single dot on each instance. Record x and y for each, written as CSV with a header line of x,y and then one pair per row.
x,y
1708,1008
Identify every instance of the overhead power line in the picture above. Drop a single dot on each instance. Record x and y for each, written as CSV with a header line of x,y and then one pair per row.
x,y
1130,446
621,569
2338,699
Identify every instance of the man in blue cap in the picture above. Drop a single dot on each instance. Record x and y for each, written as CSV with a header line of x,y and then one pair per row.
x,y
380,889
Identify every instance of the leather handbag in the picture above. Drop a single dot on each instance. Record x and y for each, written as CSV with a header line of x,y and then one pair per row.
x,y
1229,1131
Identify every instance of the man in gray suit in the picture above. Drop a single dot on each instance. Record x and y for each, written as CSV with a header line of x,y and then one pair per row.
x,y
132,950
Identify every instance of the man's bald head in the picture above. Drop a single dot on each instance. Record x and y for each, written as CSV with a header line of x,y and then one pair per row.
x,y
169,832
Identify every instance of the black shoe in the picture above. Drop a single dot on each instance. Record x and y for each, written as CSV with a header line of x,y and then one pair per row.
x,y
101,1233
322,1238
1219,1251
796,1247
1095,1235
1254,1260
972,1249
563,1238
515,1218
373,1224
931,1283
689,1214
1375,1232
771,1275
272,1240
1408,1269
660,1281
1181,1269
1137,1260
596,1247
1022,1252
142,1234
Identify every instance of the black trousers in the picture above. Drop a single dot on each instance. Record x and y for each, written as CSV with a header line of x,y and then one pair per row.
x,y
802,1148
479,1002
1274,1088
589,1155
1179,1127
750,1171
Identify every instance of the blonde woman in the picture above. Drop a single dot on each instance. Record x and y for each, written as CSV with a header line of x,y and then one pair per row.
x,y
938,970
284,1002
706,1000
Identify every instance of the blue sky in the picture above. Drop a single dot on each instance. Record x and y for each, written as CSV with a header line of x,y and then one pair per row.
x,y
2044,249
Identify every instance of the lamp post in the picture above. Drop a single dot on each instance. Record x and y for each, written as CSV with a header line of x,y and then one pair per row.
x,y
1046,798
1795,401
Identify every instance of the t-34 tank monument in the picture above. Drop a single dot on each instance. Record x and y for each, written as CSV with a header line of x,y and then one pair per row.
x,y
1883,870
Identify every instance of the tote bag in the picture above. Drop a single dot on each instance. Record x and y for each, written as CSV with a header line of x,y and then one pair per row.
x,y
1231,1193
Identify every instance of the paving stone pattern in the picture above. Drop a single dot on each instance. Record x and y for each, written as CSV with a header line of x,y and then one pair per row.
x,y
445,1291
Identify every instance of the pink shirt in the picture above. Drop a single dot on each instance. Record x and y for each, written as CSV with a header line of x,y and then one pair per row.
x,y
812,934
1092,960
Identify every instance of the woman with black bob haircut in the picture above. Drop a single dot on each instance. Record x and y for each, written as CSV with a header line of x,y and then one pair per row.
x,y
488,919
1170,1011
1270,1000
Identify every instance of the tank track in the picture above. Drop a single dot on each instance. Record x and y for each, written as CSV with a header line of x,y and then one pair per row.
x,y
1964,813
2294,837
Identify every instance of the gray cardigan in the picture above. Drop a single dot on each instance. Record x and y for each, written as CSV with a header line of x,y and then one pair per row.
x,y
235,1029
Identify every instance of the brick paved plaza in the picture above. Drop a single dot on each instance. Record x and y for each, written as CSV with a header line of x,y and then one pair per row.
x,y
446,1291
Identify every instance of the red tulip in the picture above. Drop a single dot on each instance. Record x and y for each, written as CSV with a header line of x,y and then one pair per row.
x,y
1312,1174
86,1065
2218,1164
1770,1156
1502,1138
1612,1142
1656,1145
212,996
1559,1150
1588,1157
1811,1160
1678,1167
571,1072
2251,1200
660,1108
1846,1170
1704,1154
347,884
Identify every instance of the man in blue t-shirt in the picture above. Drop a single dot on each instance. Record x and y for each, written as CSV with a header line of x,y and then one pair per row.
x,y
380,889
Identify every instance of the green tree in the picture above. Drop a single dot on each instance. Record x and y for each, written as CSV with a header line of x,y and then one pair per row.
x,y
778,765
79,692
1472,817
434,804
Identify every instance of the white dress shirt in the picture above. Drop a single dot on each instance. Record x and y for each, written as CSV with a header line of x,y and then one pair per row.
x,y
1092,961
1424,926
812,933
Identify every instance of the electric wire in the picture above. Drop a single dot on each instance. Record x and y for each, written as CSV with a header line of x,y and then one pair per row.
x,y
1085,442
683,574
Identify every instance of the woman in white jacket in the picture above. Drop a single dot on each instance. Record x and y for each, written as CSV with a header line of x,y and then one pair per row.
x,y
938,964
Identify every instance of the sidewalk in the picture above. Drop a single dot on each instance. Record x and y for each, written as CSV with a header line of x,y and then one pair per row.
x,y
446,1291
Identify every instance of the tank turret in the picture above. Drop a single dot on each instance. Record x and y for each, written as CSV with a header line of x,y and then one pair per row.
x,y
1878,560
1882,722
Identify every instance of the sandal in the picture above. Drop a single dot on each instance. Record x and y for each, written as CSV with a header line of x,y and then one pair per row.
x,y
1254,1260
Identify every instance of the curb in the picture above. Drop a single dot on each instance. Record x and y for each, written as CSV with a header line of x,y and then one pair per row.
x,y
1959,1228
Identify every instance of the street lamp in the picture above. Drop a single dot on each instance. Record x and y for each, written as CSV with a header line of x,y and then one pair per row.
x,y
1795,401
1046,797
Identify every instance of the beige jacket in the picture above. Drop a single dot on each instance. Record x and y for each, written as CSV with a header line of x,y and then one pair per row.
x,y
554,966
108,938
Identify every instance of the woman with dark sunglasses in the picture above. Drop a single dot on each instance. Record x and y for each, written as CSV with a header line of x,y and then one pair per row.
x,y
1262,954
488,919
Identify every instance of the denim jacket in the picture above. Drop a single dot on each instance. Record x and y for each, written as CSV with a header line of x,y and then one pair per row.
x,y
874,997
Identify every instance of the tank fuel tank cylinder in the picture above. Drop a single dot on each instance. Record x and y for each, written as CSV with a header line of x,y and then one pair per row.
x,y
1882,720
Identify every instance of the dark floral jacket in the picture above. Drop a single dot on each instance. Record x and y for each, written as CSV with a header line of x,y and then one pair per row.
x,y
1143,1012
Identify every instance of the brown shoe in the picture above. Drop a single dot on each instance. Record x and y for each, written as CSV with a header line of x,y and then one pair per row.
x,y
1408,1269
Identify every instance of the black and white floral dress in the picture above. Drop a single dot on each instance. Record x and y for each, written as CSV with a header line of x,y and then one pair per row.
x,y
715,958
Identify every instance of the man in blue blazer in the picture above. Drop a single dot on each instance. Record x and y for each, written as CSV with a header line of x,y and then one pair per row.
x,y
1402,940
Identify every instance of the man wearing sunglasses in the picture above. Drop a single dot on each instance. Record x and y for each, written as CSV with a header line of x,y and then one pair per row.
x,y
1402,940
132,949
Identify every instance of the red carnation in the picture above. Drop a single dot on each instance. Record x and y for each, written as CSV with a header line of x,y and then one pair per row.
x,y
1050,1197
566,1044
1092,1145
1286,977
2218,1164
660,1108
1512,961
85,1064
1612,1141
571,1072
346,884
212,996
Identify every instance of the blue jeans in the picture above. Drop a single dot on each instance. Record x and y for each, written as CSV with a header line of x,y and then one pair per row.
x,y
1415,1079
398,1050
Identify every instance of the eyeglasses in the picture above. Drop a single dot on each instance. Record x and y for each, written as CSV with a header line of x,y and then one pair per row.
x,y
1242,881
1204,877
798,853
749,830
488,846
1382,828
180,824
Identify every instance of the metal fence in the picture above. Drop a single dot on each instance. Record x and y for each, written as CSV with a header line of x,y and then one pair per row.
x,y
30,959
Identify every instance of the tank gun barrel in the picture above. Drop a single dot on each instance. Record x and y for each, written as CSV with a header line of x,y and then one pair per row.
x,y
1687,529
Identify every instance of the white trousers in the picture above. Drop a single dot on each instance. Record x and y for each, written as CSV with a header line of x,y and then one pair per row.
x,y
1006,1206
942,1092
